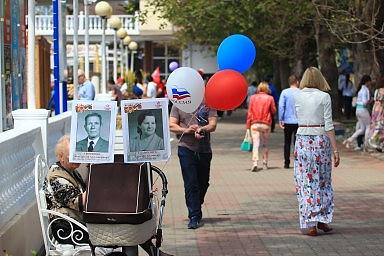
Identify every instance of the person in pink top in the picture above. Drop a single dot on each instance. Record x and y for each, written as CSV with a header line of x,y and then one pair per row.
x,y
259,120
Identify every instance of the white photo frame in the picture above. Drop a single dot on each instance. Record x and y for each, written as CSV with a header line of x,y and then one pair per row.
x,y
93,143
146,133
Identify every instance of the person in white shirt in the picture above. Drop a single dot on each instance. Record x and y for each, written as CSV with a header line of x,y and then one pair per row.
x,y
362,113
315,141
151,88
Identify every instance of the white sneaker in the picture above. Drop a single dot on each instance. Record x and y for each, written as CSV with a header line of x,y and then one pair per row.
x,y
254,168
265,166
357,148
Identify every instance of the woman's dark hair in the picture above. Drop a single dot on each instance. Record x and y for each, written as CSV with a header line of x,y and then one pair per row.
x,y
149,78
138,77
364,80
141,118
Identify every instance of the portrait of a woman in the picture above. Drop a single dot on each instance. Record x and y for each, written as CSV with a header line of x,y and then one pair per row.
x,y
146,139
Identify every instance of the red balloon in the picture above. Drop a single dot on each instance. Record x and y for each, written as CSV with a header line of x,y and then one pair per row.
x,y
226,90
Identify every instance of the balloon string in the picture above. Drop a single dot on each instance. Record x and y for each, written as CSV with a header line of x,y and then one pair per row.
x,y
181,136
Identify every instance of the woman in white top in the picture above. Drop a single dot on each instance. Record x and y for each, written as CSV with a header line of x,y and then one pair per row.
x,y
362,113
315,142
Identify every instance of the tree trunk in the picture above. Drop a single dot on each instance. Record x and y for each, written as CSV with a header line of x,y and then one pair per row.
x,y
366,60
327,63
284,72
363,60
304,50
276,74
379,24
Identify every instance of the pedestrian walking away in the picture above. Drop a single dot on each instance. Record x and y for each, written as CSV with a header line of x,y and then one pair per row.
x,y
195,155
362,113
275,94
348,91
376,134
313,153
287,116
259,120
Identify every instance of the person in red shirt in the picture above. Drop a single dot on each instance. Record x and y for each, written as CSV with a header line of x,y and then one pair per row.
x,y
259,119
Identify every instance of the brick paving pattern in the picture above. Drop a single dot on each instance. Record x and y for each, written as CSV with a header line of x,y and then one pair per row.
x,y
249,213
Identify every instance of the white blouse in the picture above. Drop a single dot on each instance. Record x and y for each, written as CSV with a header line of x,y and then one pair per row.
x,y
313,107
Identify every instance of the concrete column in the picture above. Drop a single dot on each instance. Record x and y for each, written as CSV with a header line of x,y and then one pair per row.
x,y
25,117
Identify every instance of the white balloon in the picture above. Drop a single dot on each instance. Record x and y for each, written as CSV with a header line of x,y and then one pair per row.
x,y
185,89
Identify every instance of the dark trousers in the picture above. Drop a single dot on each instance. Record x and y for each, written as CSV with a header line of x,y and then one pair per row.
x,y
347,106
289,130
360,140
195,168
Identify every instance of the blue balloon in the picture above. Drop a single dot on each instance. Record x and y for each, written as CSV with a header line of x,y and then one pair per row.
x,y
236,52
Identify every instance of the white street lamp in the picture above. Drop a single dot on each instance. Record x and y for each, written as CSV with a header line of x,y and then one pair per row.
x,y
104,10
86,36
121,33
75,46
126,42
115,24
133,47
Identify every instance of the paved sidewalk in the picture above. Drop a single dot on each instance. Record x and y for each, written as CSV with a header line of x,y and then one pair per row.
x,y
256,213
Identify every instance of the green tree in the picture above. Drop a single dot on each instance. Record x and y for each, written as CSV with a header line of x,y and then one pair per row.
x,y
275,26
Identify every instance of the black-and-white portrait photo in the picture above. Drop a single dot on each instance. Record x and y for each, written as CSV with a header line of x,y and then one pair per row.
x,y
146,130
93,123
93,128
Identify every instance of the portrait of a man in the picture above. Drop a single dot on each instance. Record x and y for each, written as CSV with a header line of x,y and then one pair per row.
x,y
146,130
93,142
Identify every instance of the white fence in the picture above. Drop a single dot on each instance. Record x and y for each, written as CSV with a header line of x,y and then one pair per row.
x,y
44,25
18,149
57,127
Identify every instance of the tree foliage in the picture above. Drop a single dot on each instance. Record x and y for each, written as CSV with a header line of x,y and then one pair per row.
x,y
281,29
270,23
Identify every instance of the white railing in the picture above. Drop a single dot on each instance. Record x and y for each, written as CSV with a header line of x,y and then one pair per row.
x,y
18,148
57,127
44,25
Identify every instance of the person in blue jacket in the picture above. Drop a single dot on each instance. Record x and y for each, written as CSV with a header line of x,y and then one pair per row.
x,y
275,95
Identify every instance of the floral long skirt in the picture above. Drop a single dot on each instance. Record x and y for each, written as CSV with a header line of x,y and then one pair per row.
x,y
312,170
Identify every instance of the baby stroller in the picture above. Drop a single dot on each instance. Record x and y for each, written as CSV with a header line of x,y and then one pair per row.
x,y
120,208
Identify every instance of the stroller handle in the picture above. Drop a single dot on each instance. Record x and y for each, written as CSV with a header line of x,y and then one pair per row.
x,y
163,179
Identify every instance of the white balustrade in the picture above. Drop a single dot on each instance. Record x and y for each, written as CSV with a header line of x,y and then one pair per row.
x,y
18,148
44,25
57,127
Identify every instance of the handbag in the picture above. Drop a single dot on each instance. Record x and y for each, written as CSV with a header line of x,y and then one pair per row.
x,y
246,145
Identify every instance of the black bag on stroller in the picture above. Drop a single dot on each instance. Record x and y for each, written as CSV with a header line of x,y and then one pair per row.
x,y
120,209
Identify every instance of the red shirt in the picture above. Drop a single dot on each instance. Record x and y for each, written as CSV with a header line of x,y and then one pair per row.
x,y
260,110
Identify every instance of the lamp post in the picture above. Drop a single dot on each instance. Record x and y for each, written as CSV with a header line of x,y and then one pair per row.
x,y
86,36
133,47
75,46
115,24
104,10
126,42
121,33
